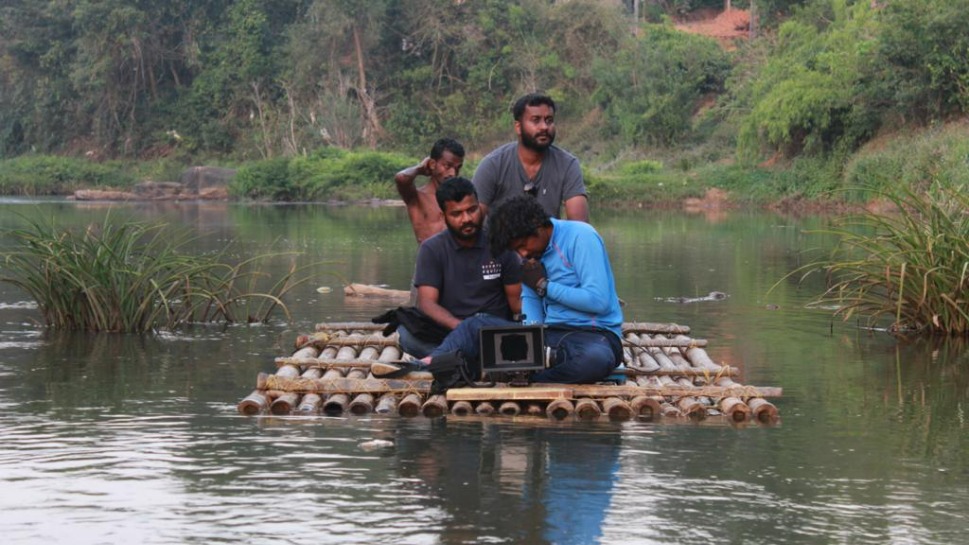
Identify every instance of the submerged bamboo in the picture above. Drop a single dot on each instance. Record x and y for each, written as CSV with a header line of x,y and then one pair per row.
x,y
559,409
462,408
255,403
617,409
509,408
485,408
764,411
410,405
387,404
735,409
587,409
335,404
435,406
645,407
362,404
284,404
310,404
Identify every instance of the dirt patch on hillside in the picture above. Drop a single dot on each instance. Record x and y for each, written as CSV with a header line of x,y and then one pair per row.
x,y
725,26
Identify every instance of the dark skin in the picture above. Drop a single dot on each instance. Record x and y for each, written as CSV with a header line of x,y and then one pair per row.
x,y
425,215
463,220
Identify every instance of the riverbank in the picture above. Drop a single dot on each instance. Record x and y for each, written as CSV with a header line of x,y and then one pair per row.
x,y
675,180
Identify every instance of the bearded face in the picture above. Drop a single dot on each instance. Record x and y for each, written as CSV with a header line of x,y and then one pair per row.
x,y
536,128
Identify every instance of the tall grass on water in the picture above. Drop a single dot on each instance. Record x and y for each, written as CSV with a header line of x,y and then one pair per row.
x,y
133,277
911,266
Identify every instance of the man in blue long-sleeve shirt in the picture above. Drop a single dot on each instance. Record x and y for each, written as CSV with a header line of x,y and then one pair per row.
x,y
568,286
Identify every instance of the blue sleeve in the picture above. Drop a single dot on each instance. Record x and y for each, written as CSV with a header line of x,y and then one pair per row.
x,y
532,306
591,264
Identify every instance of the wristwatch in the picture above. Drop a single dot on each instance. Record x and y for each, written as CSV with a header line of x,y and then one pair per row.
x,y
541,287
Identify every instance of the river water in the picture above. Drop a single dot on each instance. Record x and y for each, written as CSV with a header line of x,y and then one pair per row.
x,y
136,439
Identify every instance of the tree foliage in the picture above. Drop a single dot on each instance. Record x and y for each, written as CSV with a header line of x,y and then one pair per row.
x,y
259,79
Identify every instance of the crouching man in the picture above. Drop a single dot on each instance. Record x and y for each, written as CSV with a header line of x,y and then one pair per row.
x,y
457,276
567,285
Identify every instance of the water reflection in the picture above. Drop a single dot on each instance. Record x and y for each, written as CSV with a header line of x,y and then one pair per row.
x,y
523,482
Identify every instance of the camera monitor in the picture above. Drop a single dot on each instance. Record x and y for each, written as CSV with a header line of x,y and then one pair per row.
x,y
512,348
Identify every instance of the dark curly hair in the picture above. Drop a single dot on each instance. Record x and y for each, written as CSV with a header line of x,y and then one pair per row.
x,y
514,218
454,189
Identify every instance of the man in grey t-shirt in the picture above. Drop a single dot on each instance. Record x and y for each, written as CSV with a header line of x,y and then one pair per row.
x,y
533,164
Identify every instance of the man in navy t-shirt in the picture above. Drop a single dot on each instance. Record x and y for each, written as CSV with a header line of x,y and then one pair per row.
x,y
457,276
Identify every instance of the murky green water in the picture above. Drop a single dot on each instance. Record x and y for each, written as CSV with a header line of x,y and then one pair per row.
x,y
128,439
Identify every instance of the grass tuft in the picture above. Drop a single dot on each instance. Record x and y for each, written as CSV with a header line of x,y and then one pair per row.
x,y
120,276
909,266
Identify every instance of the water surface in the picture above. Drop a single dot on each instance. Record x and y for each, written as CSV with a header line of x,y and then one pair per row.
x,y
135,439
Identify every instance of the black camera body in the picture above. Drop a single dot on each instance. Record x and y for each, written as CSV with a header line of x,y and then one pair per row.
x,y
516,349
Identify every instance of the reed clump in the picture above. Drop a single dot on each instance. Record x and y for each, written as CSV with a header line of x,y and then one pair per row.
x,y
120,276
909,265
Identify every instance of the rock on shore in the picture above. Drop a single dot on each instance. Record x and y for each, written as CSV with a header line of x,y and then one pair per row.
x,y
196,183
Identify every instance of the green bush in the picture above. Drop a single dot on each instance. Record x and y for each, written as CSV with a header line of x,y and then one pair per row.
x,y
650,91
327,174
52,175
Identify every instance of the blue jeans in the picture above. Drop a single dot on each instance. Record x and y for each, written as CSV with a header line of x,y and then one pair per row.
x,y
412,345
582,355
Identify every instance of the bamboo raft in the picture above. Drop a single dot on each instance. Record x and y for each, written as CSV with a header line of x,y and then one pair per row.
x,y
667,374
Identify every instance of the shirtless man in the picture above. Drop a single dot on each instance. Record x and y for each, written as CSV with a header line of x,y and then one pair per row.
x,y
445,161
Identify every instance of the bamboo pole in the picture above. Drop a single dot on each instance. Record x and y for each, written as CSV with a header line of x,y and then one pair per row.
x,y
255,403
462,408
310,404
559,409
662,342
362,404
387,404
284,404
688,372
617,409
306,352
587,409
368,353
651,327
645,407
485,408
670,411
635,327
509,408
335,404
764,411
534,409
691,407
735,409
435,406
410,405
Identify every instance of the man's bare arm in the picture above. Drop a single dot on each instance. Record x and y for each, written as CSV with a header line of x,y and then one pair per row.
x,y
405,180
514,294
577,208
427,301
